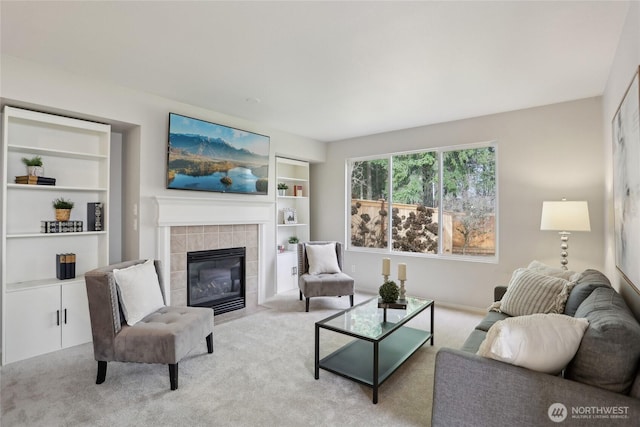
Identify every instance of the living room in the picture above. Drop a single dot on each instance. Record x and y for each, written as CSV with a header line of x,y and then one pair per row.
x,y
546,151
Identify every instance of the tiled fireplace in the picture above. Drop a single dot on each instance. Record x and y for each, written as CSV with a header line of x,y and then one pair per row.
x,y
197,224
205,237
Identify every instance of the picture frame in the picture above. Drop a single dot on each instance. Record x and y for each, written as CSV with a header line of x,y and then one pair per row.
x,y
626,183
289,216
206,156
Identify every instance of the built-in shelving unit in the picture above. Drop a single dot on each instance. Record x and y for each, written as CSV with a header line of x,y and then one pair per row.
x,y
295,174
52,313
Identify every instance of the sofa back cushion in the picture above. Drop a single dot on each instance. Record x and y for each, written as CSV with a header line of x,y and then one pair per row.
x,y
585,283
609,353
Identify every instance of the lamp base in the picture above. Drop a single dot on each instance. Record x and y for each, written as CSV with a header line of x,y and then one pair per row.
x,y
564,245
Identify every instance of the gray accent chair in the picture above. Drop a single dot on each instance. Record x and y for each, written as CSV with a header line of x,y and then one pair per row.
x,y
324,284
165,336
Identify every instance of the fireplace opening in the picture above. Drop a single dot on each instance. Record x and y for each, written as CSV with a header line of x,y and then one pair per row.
x,y
216,279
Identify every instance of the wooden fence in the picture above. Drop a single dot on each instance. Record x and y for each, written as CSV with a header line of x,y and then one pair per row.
x,y
452,239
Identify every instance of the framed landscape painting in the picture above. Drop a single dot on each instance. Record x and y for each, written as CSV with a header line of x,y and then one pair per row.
x,y
626,183
205,156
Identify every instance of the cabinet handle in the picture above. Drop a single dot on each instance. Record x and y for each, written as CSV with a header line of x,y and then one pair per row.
x,y
65,316
57,317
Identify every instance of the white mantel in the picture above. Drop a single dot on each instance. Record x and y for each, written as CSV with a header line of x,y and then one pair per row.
x,y
185,211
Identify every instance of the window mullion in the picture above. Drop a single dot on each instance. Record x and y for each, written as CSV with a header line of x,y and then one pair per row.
x,y
440,202
390,205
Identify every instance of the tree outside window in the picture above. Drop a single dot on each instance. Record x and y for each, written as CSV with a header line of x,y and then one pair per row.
x,y
464,186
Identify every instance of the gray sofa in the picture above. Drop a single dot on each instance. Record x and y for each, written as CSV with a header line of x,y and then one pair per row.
x,y
600,386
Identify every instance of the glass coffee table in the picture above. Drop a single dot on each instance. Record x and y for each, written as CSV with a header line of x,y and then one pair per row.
x,y
383,341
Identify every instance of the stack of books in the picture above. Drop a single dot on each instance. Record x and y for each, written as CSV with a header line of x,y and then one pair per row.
x,y
66,266
61,226
35,180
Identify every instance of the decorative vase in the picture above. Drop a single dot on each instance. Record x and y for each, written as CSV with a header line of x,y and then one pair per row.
x,y
63,214
282,192
293,247
35,170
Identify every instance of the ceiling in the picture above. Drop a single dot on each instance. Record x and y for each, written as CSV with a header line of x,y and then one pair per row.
x,y
330,70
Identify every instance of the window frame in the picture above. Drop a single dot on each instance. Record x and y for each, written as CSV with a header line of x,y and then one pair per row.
x,y
439,151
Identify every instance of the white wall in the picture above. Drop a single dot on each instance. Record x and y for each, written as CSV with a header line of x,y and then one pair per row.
x,y
143,120
544,153
115,199
624,66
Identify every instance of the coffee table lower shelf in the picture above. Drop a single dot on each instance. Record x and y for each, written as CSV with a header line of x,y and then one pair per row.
x,y
357,359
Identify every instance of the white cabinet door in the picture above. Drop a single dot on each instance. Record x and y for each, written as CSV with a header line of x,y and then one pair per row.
x,y
76,324
287,271
32,318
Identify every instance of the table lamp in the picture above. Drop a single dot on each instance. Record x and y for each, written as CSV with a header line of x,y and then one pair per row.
x,y
565,216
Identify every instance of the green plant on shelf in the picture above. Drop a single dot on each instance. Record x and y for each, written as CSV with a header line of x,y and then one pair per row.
x,y
33,161
282,186
293,240
62,203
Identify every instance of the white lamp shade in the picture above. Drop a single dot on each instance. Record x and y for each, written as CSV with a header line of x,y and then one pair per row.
x,y
565,216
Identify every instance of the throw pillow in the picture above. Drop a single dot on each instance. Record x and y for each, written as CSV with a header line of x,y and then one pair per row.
x,y
546,270
529,293
139,290
541,342
609,354
322,259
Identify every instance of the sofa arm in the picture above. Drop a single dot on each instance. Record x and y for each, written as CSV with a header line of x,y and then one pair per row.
x,y
471,390
498,292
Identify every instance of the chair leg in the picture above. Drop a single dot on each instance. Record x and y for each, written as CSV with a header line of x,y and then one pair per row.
x,y
173,375
300,295
351,300
102,371
210,343
307,305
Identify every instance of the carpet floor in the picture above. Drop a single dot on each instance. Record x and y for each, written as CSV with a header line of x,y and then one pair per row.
x,y
260,374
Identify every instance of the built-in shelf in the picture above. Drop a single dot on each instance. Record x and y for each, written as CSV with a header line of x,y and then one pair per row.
x,y
76,153
54,152
49,235
54,188
292,173
34,284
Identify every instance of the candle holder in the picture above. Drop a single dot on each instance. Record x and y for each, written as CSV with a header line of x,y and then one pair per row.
x,y
386,278
401,297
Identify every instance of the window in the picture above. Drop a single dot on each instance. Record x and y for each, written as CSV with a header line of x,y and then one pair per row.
x,y
369,205
437,202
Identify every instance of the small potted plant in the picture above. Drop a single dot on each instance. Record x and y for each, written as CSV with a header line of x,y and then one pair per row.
x,y
63,209
282,189
293,243
389,292
34,165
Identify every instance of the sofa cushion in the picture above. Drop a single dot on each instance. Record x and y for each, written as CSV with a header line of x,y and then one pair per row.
x,y
491,318
541,342
529,292
609,354
473,341
585,283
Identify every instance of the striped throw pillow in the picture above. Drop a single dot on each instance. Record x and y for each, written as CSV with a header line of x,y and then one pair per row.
x,y
529,292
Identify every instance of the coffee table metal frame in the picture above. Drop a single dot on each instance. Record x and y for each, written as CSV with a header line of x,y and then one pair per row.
x,y
388,349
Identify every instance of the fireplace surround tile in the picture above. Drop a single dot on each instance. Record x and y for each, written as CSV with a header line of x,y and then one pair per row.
x,y
185,239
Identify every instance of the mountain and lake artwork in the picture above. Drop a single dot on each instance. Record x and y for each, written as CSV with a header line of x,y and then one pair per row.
x,y
205,156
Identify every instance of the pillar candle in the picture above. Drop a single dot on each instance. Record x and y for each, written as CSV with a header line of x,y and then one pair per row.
x,y
402,271
386,266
